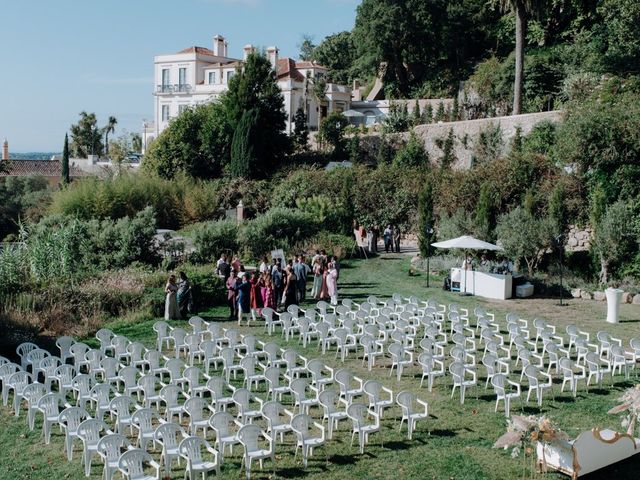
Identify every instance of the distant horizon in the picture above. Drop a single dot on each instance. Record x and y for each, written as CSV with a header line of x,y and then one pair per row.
x,y
54,73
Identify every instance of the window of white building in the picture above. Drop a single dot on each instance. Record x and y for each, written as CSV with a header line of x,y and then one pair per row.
x,y
212,78
230,74
182,108
182,78
165,113
165,77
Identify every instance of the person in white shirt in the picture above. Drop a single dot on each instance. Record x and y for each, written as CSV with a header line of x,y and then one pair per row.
x,y
264,266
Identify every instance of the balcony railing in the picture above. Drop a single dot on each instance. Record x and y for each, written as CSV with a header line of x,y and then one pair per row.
x,y
176,88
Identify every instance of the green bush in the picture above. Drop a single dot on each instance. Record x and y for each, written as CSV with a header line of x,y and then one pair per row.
x,y
342,246
277,228
214,238
21,198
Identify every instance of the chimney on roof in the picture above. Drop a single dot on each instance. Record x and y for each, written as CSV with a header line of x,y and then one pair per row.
x,y
248,50
272,55
5,150
219,46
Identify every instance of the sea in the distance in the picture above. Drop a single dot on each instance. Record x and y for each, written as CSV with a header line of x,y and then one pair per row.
x,y
33,155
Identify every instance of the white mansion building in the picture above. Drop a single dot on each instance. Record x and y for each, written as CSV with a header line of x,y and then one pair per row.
x,y
197,75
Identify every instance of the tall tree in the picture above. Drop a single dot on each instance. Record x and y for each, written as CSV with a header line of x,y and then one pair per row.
x,y
86,138
319,92
306,47
425,218
522,9
110,127
65,161
300,134
243,159
256,88
336,52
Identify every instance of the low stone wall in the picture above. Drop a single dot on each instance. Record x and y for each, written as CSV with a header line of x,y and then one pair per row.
x,y
466,132
600,296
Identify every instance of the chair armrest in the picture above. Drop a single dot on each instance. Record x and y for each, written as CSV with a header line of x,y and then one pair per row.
x,y
581,367
424,404
515,384
360,381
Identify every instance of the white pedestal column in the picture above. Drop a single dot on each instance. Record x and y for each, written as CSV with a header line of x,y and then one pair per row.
x,y
614,295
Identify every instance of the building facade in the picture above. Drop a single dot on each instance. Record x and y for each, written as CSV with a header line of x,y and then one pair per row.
x,y
199,75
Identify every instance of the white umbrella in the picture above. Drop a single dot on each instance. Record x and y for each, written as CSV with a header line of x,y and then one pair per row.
x,y
352,113
467,242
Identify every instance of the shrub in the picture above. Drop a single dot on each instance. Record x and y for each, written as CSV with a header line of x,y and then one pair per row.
x,y
213,238
21,198
331,214
413,154
342,246
277,228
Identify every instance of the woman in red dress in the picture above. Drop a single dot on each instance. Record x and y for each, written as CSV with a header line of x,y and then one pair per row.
x,y
256,295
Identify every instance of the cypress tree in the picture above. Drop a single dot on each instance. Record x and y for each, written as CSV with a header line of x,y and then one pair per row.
x,y
243,158
416,115
300,131
425,218
485,219
65,161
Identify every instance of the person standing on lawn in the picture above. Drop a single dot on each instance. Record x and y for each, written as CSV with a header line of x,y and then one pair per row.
x,y
387,235
300,270
332,284
244,298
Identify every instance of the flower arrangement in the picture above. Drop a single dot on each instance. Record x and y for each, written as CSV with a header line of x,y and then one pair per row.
x,y
629,402
523,432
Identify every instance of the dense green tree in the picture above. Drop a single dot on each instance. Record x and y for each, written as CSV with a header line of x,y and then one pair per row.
x,y
64,174
337,53
397,120
332,130
196,143
425,219
300,135
136,142
243,158
615,239
522,10
386,152
524,236
485,214
110,127
255,88
621,21
416,114
86,138
413,154
306,47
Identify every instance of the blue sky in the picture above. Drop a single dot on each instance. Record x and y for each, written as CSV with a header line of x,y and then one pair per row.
x,y
60,57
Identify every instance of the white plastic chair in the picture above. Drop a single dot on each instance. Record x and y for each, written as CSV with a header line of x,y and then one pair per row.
x,y
194,375
110,448
372,350
104,336
32,393
179,345
49,405
225,428
249,437
251,377
142,420
413,410
131,465
570,376
242,399
128,377
621,361
82,385
69,420
302,425
321,374
78,351
23,350
362,425
64,344
276,417
100,398
191,449
199,412
34,358
400,358
504,391
148,386
345,380
459,373
274,389
596,368
301,400
216,386
375,391
17,382
533,375
345,342
333,413
169,435
89,434
121,408
431,368
162,330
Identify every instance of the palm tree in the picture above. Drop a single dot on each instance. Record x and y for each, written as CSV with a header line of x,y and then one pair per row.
x,y
110,128
522,10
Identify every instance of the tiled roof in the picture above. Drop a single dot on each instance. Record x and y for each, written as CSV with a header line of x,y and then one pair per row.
x,y
41,168
200,50
303,64
287,68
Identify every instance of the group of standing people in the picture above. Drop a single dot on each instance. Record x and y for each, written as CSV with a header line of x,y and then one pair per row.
x,y
274,285
178,297
391,237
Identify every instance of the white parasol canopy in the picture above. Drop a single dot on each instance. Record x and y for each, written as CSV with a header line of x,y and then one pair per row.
x,y
467,242
352,113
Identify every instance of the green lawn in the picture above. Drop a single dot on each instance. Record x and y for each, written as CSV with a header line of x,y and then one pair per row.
x,y
455,443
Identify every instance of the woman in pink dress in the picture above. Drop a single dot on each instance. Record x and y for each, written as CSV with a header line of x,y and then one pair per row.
x,y
324,294
332,283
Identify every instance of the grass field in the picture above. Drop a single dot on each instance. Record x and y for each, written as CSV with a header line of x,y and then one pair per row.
x,y
455,443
